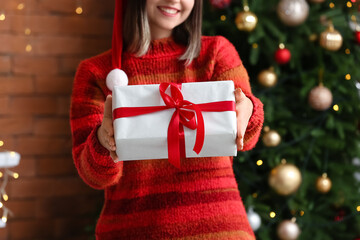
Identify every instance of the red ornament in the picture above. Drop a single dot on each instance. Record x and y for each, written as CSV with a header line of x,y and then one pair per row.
x,y
220,3
357,37
282,56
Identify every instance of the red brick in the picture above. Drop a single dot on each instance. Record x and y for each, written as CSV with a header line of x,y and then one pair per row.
x,y
4,233
22,208
33,105
59,45
56,166
52,127
64,25
57,85
69,206
43,145
26,168
47,187
16,125
68,65
12,44
16,85
9,143
31,229
30,65
4,103
63,106
5,64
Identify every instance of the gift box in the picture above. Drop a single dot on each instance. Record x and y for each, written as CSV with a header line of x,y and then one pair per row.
x,y
170,121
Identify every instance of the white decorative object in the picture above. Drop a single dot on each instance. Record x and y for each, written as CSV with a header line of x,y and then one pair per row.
x,y
9,159
116,77
145,136
254,219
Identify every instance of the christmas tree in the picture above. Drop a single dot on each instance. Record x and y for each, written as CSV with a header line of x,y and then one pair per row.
x,y
303,58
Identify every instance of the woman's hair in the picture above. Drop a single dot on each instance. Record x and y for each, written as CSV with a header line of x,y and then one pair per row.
x,y
137,36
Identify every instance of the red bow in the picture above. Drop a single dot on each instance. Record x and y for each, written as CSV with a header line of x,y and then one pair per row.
x,y
186,114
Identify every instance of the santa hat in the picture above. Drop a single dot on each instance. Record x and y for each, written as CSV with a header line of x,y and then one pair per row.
x,y
117,77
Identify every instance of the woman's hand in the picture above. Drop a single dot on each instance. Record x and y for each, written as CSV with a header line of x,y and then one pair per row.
x,y
244,109
105,132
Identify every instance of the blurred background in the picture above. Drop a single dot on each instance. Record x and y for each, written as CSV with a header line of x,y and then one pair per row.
x,y
302,181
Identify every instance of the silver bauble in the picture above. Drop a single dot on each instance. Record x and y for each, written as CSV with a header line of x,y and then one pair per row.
x,y
293,12
254,219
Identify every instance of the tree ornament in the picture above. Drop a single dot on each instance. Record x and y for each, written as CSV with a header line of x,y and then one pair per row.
x,y
357,37
220,4
116,77
285,179
254,219
331,39
246,20
271,138
288,230
293,12
320,98
267,77
317,1
323,183
282,55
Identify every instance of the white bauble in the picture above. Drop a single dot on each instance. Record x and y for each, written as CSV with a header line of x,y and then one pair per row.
x,y
254,219
116,77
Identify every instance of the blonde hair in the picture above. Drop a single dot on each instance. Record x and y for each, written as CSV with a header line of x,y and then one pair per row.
x,y
137,36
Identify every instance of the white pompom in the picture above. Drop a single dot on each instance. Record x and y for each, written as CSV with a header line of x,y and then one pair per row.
x,y
116,77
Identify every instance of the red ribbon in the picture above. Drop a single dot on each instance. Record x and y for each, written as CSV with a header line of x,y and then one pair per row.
x,y
186,114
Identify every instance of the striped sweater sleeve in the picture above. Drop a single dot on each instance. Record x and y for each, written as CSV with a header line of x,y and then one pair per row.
x,y
228,66
91,159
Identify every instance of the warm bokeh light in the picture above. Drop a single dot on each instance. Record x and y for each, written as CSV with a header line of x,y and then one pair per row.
x,y
223,18
20,6
2,17
259,162
348,76
336,107
79,10
272,214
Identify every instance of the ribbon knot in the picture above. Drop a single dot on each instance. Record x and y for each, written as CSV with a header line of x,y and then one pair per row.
x,y
186,114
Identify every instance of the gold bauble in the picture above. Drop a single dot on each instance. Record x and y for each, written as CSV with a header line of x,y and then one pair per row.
x,y
267,77
288,230
331,39
320,98
246,21
285,179
323,184
271,138
293,12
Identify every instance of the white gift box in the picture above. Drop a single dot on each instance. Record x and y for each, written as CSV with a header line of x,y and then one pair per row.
x,y
145,136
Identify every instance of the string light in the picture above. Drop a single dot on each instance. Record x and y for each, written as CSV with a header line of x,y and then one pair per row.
x,y
15,175
348,76
331,5
1,174
5,197
4,219
254,195
358,208
223,18
272,214
28,47
27,31
79,10
255,45
20,6
2,17
259,162
336,107
347,51
281,46
349,4
1,143
302,213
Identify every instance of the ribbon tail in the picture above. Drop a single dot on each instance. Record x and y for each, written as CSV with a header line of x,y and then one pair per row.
x,y
200,131
173,140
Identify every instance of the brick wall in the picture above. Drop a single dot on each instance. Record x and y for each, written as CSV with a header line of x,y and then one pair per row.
x,y
49,200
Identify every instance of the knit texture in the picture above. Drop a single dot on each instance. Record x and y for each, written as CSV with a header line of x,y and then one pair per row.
x,y
151,199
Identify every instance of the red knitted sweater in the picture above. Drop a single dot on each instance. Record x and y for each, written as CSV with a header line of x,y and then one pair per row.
x,y
151,199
